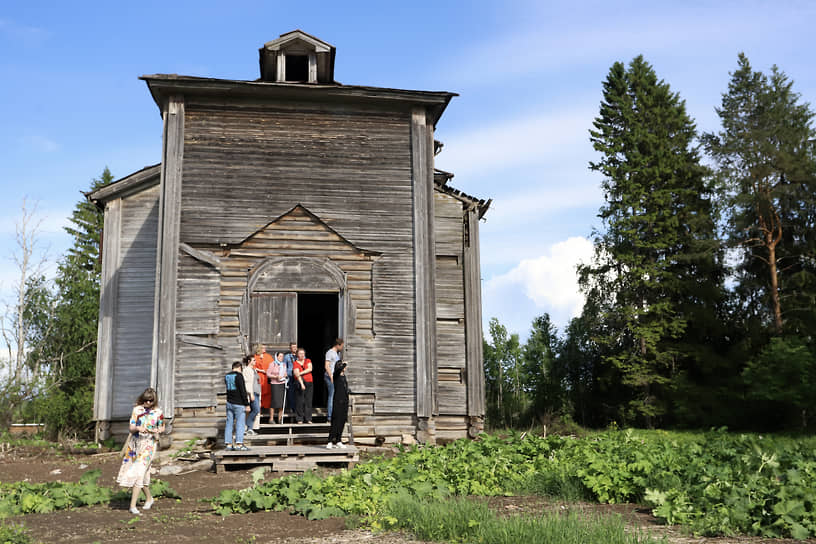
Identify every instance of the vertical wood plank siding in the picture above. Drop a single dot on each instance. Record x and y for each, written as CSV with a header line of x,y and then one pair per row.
x,y
450,305
425,319
133,329
103,392
351,167
473,317
163,371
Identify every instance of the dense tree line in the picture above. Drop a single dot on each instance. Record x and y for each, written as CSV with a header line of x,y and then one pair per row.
x,y
701,298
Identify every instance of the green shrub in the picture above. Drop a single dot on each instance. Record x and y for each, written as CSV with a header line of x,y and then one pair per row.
x,y
13,534
25,497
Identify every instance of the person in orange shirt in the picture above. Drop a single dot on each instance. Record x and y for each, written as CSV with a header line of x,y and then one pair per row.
x,y
262,362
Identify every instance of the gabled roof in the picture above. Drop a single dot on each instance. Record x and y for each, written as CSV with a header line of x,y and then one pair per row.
x,y
301,208
132,183
319,45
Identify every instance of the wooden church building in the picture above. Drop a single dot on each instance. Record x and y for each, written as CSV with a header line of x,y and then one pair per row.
x,y
293,208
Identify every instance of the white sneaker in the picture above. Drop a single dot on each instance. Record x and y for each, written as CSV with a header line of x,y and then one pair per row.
x,y
147,505
135,511
329,446
341,445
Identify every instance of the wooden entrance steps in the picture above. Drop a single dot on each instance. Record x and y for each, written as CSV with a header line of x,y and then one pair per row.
x,y
290,447
287,458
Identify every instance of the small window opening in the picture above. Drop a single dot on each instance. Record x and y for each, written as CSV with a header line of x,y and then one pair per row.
x,y
297,68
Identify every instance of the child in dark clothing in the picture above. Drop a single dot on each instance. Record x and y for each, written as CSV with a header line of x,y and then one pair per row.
x,y
237,407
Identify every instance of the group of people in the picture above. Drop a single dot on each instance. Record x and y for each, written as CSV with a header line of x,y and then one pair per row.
x,y
259,381
280,382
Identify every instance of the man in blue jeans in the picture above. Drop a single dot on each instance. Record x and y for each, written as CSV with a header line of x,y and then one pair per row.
x,y
237,408
332,357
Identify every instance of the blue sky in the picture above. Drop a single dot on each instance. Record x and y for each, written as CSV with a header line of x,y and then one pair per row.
x,y
528,73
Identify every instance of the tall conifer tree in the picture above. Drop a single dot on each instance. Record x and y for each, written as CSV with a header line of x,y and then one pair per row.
x,y
765,154
656,261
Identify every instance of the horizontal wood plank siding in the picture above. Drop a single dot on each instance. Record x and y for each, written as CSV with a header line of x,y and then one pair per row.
x,y
450,304
199,286
133,331
198,365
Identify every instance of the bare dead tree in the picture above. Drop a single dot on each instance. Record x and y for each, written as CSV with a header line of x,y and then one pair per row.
x,y
30,259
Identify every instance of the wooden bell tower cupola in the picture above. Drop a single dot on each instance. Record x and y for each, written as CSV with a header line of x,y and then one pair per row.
x,y
297,57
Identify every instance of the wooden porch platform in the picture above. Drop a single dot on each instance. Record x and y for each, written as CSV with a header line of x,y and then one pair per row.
x,y
296,458
290,447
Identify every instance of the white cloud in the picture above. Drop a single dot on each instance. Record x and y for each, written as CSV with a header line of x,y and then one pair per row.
x,y
535,138
547,283
37,142
48,221
541,46
557,196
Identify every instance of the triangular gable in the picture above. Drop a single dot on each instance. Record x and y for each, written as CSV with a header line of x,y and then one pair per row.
x,y
296,215
294,36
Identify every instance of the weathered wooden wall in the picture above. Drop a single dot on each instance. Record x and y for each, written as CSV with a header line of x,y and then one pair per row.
x,y
351,167
133,323
450,304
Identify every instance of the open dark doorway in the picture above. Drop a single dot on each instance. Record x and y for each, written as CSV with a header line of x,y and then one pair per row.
x,y
317,328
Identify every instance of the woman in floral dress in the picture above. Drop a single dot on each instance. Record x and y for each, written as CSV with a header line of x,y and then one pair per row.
x,y
146,423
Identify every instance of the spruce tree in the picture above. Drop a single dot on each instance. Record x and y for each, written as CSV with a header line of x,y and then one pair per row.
x,y
656,262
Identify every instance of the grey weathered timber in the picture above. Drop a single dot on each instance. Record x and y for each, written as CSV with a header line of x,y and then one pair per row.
x,y
164,350
449,220
275,198
133,323
424,264
107,310
130,184
204,256
473,318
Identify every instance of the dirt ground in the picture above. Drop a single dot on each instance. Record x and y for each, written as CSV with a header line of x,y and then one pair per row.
x,y
189,519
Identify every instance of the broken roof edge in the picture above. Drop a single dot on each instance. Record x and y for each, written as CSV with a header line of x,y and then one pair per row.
x,y
480,204
141,179
161,85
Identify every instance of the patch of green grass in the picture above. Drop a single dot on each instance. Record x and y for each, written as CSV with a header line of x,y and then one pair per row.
x,y
463,520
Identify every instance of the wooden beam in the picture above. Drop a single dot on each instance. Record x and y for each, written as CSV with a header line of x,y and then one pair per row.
x,y
103,401
473,318
424,263
203,340
202,255
164,339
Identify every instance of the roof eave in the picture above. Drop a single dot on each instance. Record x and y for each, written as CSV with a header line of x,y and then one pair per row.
x,y
163,85
141,179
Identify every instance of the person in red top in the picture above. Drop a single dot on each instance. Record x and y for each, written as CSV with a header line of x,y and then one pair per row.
x,y
262,362
302,371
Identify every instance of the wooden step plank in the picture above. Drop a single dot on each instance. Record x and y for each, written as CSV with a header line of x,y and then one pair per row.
x,y
278,437
268,451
